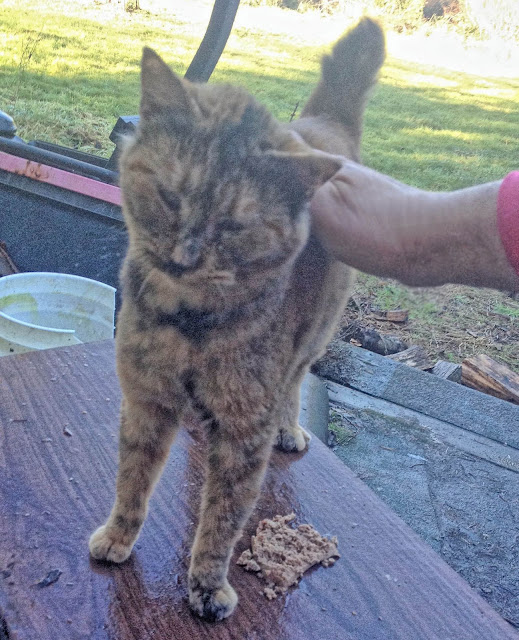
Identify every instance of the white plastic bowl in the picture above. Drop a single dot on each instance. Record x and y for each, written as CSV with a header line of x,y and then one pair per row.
x,y
45,310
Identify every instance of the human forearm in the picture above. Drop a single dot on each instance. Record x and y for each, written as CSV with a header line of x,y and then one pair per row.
x,y
387,228
455,239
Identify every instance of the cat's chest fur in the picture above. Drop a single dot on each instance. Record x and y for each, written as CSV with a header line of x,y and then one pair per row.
x,y
250,348
219,354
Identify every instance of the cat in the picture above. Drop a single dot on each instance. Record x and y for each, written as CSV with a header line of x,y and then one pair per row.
x,y
227,296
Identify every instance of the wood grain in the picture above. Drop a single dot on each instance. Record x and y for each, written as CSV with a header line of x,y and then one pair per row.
x,y
416,356
441,399
485,374
447,370
56,488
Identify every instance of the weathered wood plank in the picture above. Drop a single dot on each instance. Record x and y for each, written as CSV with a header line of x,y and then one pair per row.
x,y
447,370
55,489
416,356
485,374
380,377
462,439
395,315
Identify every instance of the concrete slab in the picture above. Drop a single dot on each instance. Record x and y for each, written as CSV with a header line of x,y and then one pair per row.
x,y
314,412
458,490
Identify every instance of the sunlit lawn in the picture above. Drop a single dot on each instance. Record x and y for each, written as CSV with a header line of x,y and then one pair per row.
x,y
68,70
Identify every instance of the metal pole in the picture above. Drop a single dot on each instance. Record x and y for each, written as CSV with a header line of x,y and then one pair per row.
x,y
214,41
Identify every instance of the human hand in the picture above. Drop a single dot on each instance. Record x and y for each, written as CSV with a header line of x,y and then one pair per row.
x,y
384,227
366,219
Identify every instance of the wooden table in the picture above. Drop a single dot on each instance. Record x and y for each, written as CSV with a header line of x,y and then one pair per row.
x,y
58,449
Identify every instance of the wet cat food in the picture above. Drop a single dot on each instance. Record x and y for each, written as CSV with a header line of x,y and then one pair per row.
x,y
280,553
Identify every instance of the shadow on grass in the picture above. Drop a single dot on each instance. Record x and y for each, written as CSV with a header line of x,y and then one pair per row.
x,y
433,137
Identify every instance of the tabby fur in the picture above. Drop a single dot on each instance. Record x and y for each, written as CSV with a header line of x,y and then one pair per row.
x,y
227,297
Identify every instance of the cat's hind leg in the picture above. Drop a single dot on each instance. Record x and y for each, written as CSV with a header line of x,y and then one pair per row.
x,y
238,456
146,434
291,435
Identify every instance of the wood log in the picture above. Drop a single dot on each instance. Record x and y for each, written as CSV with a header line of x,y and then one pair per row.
x,y
395,315
447,370
378,343
370,339
485,374
415,356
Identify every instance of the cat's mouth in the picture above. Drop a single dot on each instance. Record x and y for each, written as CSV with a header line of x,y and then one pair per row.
x,y
202,277
226,278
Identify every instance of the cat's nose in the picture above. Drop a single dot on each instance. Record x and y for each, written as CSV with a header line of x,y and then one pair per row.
x,y
186,255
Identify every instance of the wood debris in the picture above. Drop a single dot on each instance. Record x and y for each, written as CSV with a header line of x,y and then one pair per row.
x,y
396,315
414,356
378,343
447,370
50,578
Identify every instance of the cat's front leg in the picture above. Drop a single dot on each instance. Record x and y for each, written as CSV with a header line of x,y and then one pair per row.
x,y
236,467
146,434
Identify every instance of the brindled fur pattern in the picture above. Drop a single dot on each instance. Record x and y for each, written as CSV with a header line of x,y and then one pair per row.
x,y
227,297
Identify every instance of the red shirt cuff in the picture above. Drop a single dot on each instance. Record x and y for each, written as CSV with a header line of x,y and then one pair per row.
x,y
508,217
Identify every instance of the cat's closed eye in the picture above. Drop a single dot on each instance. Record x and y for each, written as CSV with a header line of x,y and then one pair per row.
x,y
169,198
230,226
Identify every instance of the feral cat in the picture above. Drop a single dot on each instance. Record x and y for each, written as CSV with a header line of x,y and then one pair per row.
x,y
227,297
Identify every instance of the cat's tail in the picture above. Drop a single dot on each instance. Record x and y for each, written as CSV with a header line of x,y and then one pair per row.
x,y
347,75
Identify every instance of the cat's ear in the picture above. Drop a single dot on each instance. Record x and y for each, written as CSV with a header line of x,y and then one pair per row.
x,y
313,168
161,89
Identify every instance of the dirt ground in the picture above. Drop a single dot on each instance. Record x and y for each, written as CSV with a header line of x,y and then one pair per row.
x,y
451,322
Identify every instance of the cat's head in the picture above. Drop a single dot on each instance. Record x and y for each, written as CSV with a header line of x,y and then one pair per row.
x,y
214,195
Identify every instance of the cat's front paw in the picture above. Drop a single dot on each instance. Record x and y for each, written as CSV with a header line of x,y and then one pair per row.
x,y
109,543
213,605
293,439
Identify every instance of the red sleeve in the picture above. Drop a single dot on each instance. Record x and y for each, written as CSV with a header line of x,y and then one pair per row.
x,y
508,217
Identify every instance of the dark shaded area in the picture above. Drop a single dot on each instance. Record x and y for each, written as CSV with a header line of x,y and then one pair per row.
x,y
439,8
46,228
4,631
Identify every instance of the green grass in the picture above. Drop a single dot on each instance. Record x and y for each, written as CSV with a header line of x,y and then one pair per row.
x,y
66,77
452,322
506,310
394,296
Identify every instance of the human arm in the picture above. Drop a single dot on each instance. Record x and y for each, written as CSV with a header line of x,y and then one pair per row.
x,y
389,229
